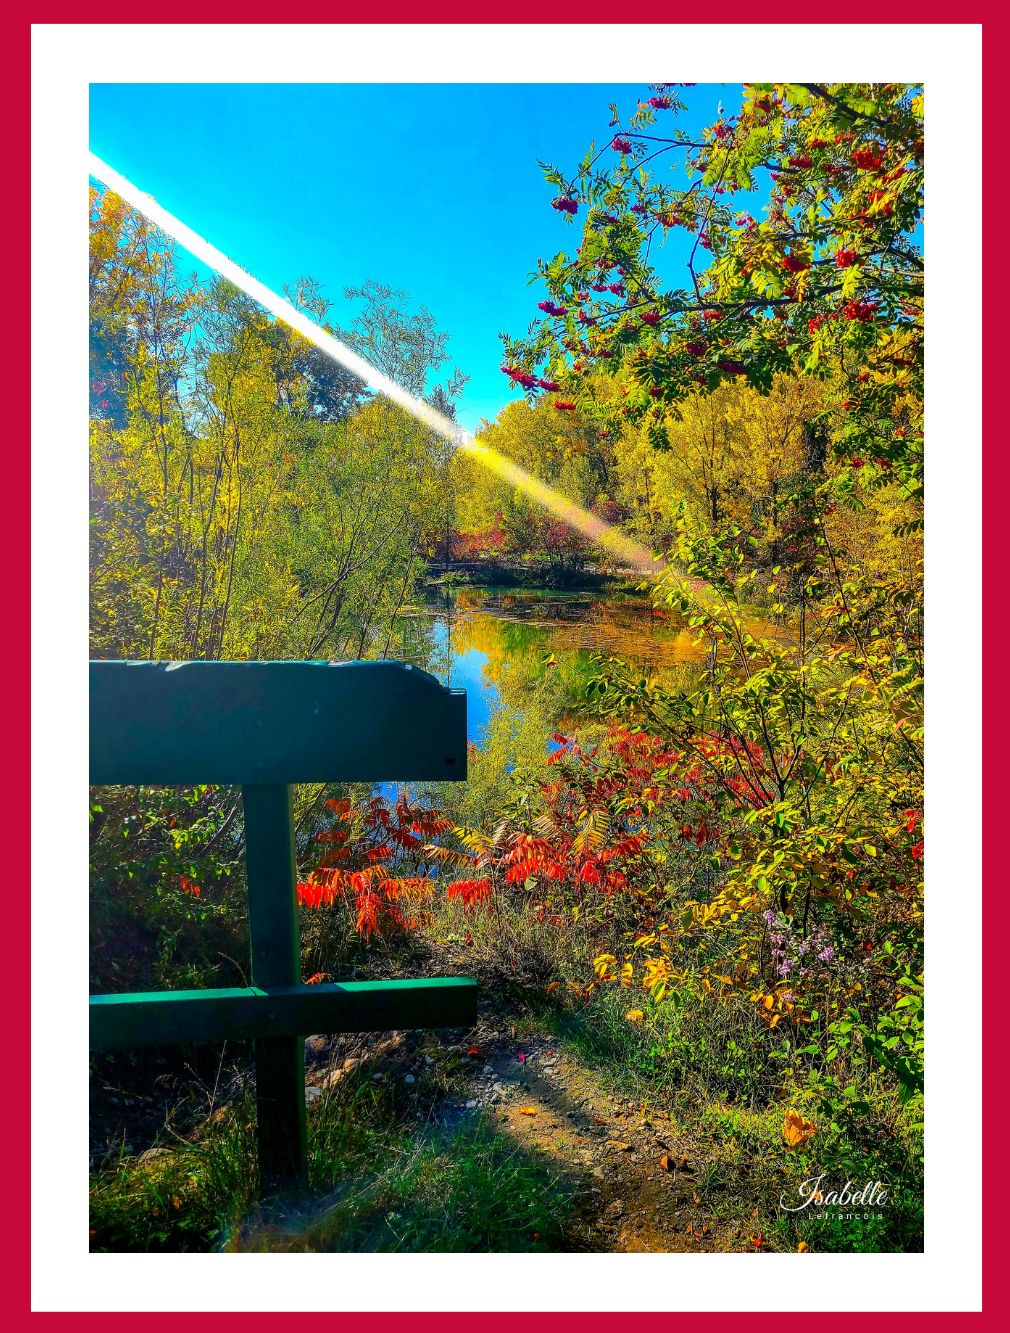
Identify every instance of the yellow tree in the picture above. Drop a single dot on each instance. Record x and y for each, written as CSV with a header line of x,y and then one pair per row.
x,y
699,467
732,456
552,444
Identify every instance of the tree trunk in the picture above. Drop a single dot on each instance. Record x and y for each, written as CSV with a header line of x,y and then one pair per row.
x,y
815,449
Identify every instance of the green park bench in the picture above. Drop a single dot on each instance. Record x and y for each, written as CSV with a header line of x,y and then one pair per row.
x,y
264,726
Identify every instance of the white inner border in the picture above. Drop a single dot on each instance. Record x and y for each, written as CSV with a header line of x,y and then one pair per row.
x,y
65,59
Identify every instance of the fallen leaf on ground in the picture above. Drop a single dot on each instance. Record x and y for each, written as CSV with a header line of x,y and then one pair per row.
x,y
802,1248
527,1110
634,1015
664,1162
797,1130
619,1147
758,1240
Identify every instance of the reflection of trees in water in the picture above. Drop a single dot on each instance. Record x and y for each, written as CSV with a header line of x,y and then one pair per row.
x,y
422,644
514,626
506,626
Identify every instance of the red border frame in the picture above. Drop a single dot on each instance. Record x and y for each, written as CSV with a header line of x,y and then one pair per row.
x,y
995,738
585,13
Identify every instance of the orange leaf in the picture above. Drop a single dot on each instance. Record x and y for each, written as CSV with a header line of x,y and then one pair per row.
x,y
802,1248
553,986
664,1162
797,1130
527,1110
634,1015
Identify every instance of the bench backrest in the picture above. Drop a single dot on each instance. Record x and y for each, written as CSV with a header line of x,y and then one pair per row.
x,y
184,723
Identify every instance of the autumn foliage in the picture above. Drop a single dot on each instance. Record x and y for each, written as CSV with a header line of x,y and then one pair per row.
x,y
355,863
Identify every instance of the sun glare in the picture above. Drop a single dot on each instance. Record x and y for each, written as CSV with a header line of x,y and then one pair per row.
x,y
601,533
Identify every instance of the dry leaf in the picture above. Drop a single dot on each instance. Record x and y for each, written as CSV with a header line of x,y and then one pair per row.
x,y
664,1162
597,1121
553,987
619,1147
802,1248
797,1130
527,1110
634,1015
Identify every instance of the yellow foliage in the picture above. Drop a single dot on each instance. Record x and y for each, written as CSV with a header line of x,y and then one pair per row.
x,y
554,446
733,452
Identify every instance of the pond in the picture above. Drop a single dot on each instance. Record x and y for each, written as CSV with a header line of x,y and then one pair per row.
x,y
471,637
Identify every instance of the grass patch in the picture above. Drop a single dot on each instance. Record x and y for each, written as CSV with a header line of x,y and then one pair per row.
x,y
377,1184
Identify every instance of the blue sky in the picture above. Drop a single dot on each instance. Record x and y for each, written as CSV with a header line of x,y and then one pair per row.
x,y
434,188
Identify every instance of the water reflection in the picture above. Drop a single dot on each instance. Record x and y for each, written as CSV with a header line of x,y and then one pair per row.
x,y
471,637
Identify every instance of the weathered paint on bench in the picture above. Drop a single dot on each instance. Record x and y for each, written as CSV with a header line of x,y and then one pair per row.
x,y
183,723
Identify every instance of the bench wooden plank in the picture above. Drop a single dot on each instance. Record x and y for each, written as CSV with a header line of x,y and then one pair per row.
x,y
184,723
148,1018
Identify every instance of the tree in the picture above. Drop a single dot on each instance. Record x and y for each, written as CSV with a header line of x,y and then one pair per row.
x,y
781,394
403,345
246,502
572,455
136,304
828,283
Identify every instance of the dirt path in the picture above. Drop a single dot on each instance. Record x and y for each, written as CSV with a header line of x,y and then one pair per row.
x,y
637,1179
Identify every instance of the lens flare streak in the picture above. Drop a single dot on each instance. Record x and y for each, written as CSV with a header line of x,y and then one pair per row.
x,y
603,534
